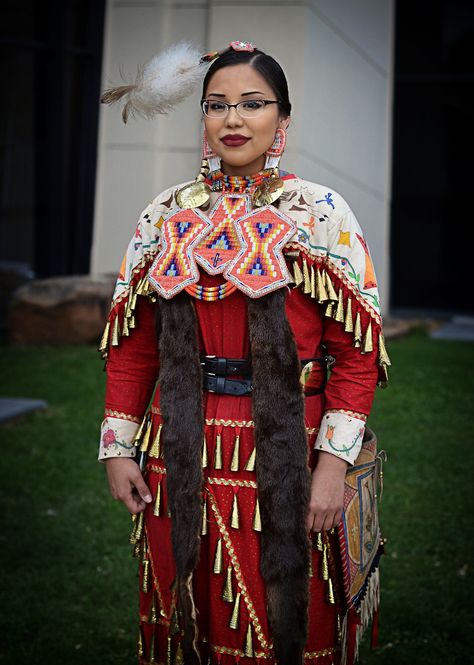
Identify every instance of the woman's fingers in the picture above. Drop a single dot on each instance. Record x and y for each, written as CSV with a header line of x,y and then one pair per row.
x,y
127,484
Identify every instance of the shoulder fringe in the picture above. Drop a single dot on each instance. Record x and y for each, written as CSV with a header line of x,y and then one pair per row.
x,y
319,279
122,320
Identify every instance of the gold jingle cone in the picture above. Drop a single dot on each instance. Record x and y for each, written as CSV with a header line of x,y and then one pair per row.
x,y
218,453
204,518
248,647
218,559
204,458
234,465
234,619
250,466
257,521
227,593
157,506
234,520
155,446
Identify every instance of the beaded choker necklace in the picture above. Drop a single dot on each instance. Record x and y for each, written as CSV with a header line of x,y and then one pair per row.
x,y
236,184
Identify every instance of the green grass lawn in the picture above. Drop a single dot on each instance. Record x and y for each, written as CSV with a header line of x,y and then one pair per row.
x,y
68,592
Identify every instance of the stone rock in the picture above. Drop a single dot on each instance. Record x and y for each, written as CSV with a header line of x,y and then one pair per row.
x,y
60,310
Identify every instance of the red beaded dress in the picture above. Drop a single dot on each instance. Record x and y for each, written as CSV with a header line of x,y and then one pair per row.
x,y
332,307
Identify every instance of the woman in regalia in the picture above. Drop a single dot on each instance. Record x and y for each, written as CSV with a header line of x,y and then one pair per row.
x,y
243,347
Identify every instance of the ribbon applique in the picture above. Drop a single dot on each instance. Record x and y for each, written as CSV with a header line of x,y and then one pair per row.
x,y
217,250
260,267
175,267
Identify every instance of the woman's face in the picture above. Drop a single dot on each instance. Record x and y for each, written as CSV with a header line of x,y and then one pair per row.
x,y
235,84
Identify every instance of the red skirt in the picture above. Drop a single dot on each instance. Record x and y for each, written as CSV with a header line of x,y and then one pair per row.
x,y
228,589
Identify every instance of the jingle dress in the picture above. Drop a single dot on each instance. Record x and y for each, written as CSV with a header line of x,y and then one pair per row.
x,y
333,302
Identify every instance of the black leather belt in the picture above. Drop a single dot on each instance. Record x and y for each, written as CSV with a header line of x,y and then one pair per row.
x,y
215,370
226,366
223,386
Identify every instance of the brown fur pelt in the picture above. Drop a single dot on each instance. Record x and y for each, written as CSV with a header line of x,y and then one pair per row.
x,y
283,477
183,433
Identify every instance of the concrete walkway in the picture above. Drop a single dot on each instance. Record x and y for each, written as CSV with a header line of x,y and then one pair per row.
x,y
11,408
460,328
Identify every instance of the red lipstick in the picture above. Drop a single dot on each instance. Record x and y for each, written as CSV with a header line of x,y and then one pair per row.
x,y
234,140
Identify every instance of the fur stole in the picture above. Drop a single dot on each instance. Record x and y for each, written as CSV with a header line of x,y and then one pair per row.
x,y
281,463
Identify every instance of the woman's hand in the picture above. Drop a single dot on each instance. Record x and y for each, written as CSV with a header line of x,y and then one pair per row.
x,y
327,493
126,483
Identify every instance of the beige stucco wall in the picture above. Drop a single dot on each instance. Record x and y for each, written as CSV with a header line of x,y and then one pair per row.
x,y
338,58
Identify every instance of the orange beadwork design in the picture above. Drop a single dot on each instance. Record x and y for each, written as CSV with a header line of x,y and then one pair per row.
x,y
260,267
218,249
175,268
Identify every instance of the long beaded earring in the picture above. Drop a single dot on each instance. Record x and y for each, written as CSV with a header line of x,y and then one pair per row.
x,y
197,193
275,151
272,188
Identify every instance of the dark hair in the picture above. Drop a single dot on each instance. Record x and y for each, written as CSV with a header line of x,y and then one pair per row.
x,y
264,64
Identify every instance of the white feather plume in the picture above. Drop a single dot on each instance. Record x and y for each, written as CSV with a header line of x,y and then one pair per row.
x,y
165,81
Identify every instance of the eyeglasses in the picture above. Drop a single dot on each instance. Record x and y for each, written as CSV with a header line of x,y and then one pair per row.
x,y
250,108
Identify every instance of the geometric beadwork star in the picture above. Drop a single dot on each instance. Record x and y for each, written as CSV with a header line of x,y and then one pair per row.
x,y
259,266
217,250
174,267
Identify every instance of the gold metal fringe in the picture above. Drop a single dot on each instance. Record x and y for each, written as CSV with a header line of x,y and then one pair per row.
x,y
331,598
319,542
155,446
218,453
174,627
257,521
368,342
218,560
250,466
384,358
139,434
248,647
324,564
227,593
204,458
179,656
137,530
297,274
234,465
313,282
339,315
115,332
146,576
140,642
168,650
146,438
321,292
157,505
153,614
152,647
234,619
125,330
234,520
329,308
104,340
204,518
131,322
128,306
332,295
306,278
348,324
357,331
